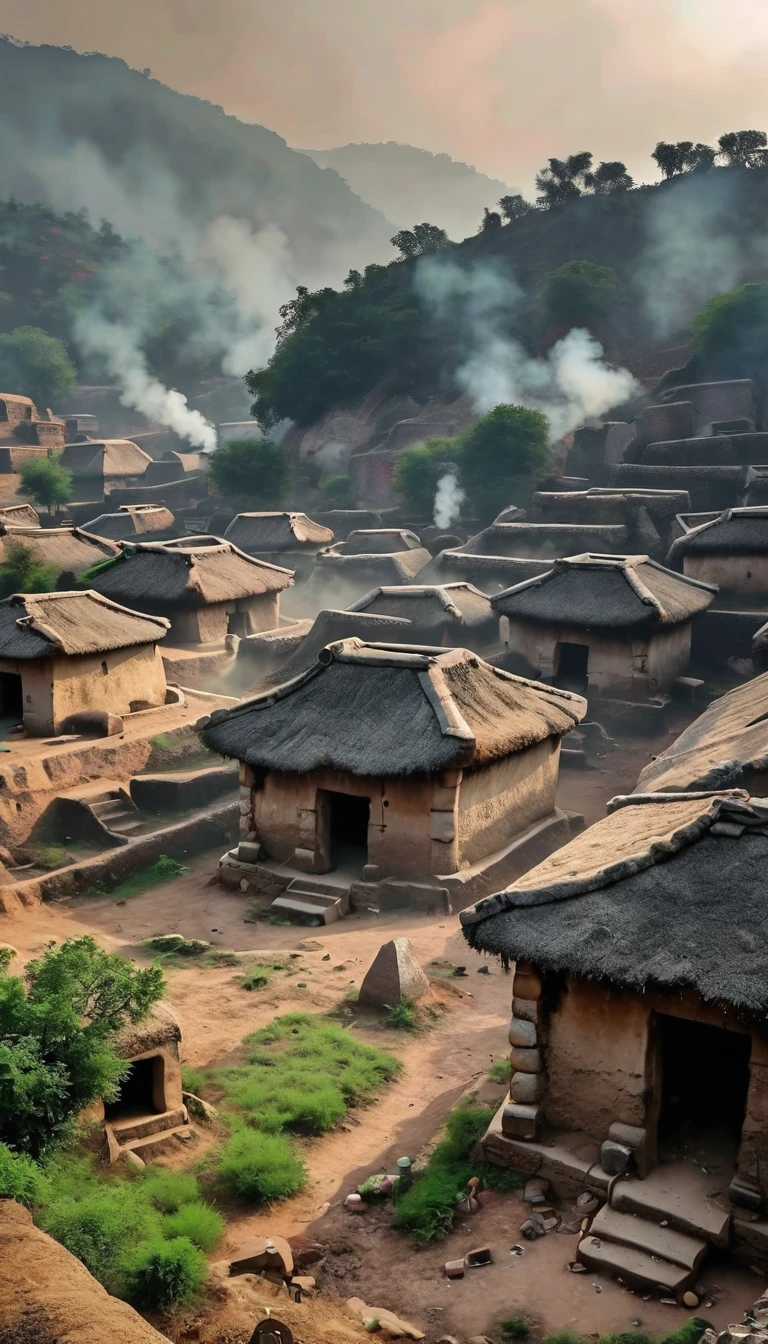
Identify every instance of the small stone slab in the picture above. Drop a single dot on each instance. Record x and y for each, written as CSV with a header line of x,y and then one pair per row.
x,y
393,975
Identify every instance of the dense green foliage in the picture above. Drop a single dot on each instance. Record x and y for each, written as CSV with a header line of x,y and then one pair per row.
x,y
46,482
37,365
20,1177
22,572
164,1274
57,1024
426,1211
255,1166
731,331
251,469
576,294
419,469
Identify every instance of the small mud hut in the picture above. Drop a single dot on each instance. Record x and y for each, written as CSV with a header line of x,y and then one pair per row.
x,y
290,539
206,588
149,1107
639,1062
63,653
731,550
725,748
405,764
151,521
68,550
612,625
453,614
104,465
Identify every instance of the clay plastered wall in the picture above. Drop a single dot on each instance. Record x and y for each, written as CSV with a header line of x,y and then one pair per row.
x,y
499,800
285,816
731,573
669,656
617,663
132,675
36,691
207,625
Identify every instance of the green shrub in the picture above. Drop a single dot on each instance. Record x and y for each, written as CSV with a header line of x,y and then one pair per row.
x,y
194,1080
256,1166
165,867
426,1210
49,856
20,1177
402,1015
169,1190
255,978
563,1337
689,1332
627,1337
197,1221
98,1228
175,943
517,1327
499,1071
163,1274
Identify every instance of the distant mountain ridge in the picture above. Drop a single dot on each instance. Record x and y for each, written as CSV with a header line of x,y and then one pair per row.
x,y
86,130
410,185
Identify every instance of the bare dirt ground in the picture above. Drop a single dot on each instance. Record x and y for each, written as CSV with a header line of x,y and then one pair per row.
x,y
366,1257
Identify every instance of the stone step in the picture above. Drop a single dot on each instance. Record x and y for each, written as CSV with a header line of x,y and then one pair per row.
x,y
311,904
316,886
641,1234
154,1144
124,823
142,1126
636,1268
677,1193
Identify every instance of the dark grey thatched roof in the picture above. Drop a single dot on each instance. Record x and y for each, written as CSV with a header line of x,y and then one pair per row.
x,y
105,457
675,478
734,532
329,627
377,541
392,568
604,592
343,521
668,890
380,709
260,533
45,625
434,608
132,520
722,749
657,503
490,573
189,572
545,539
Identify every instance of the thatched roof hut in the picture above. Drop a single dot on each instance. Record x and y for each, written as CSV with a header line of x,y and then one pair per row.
x,y
635,900
606,592
375,709
18,515
67,549
263,533
377,541
339,580
732,532
490,573
546,539
106,459
329,627
46,625
451,613
133,520
725,748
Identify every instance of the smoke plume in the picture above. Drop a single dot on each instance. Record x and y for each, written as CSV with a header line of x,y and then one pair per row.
x,y
572,384
449,497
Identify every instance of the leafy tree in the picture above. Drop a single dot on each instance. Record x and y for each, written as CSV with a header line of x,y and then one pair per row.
x,y
747,149
683,157
247,468
700,158
730,333
563,180
37,365
419,241
576,293
514,207
22,572
499,453
57,1027
46,481
608,178
490,222
419,469
338,491
298,312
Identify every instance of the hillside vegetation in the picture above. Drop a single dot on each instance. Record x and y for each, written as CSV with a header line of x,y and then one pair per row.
x,y
407,183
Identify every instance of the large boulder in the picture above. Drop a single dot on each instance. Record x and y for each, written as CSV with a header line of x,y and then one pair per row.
x,y
394,974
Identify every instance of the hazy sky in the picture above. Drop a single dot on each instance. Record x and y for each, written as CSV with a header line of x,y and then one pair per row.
x,y
503,84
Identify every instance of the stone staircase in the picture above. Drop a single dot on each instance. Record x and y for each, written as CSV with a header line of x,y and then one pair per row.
x,y
147,1136
310,898
640,1251
115,810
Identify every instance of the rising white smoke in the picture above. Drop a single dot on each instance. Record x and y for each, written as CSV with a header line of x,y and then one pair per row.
x,y
572,384
449,498
119,348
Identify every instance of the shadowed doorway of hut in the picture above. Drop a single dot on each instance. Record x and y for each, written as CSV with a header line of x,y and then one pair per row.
x,y
693,1112
571,667
348,817
11,698
142,1091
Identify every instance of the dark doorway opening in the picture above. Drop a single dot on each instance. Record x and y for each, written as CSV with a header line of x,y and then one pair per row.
x,y
691,1053
349,817
236,623
572,667
141,1091
11,698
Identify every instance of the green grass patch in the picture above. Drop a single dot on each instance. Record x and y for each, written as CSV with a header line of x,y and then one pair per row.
x,y
164,742
197,1221
499,1071
164,1274
49,856
164,869
169,1190
516,1327
194,1080
256,1166
257,977
402,1015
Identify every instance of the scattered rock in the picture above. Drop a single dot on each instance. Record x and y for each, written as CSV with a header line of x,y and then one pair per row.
x,y
387,1320
355,1203
312,945
454,1269
690,1299
483,970
326,957
535,1191
394,974
304,1281
478,1257
262,1254
576,1267
178,945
